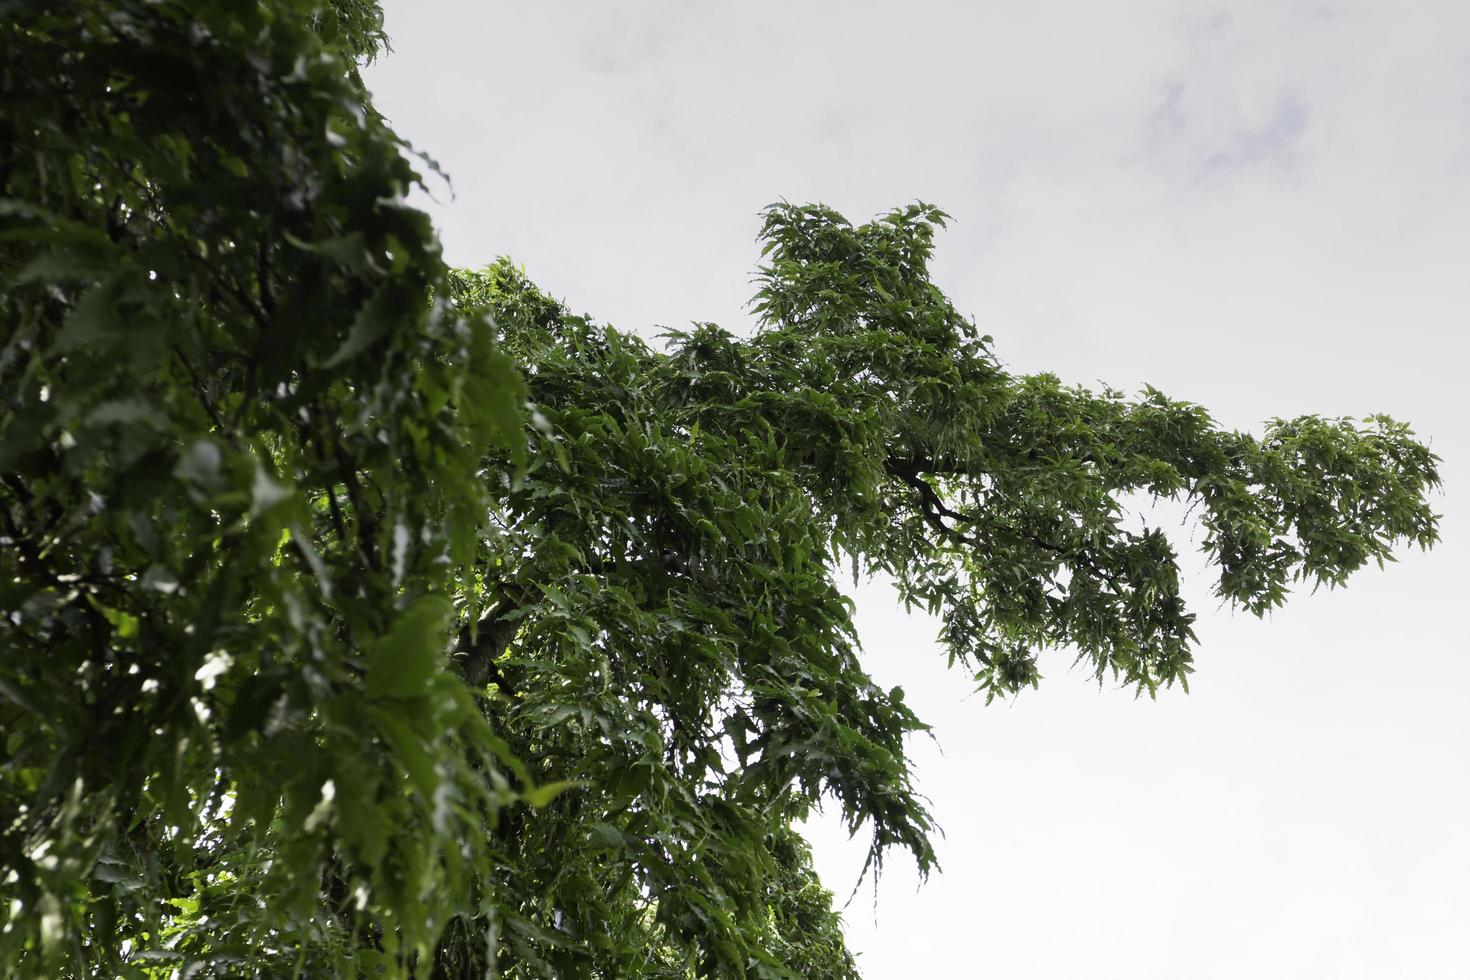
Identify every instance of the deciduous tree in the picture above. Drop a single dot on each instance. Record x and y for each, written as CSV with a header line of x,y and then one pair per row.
x,y
365,617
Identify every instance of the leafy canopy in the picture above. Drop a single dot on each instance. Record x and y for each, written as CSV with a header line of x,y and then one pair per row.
x,y
368,617
239,448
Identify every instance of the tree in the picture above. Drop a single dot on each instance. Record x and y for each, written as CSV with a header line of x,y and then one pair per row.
x,y
335,644
238,450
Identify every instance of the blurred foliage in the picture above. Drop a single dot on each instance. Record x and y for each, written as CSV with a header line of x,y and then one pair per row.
x,y
334,644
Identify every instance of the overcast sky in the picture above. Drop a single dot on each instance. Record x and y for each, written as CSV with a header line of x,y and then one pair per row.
x,y
1262,207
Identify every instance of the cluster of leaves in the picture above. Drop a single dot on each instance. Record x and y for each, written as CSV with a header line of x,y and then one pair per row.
x,y
999,501
323,656
239,447
662,625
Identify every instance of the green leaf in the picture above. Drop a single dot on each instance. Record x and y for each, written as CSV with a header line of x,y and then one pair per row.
x,y
412,652
373,322
539,796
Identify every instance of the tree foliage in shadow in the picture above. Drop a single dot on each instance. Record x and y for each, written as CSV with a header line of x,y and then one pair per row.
x,y
239,445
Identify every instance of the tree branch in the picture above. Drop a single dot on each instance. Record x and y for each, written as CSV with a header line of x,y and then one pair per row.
x,y
483,642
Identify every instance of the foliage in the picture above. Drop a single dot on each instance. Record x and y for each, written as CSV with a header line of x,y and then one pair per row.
x,y
664,622
239,449
324,656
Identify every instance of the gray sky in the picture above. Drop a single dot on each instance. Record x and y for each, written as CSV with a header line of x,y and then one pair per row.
x,y
1262,207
